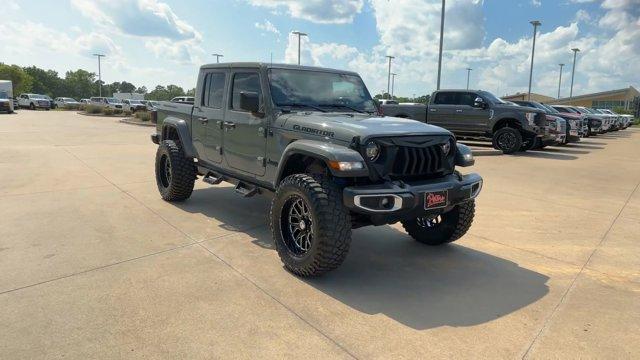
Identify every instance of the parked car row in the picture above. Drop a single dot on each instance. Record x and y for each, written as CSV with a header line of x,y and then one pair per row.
x,y
510,126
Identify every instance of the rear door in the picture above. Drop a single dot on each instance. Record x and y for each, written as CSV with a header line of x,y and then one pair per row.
x,y
208,115
441,109
245,133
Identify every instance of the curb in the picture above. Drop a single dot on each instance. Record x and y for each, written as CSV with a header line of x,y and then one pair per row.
x,y
98,115
130,122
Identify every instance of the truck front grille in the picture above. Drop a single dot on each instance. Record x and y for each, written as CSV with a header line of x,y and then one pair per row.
x,y
418,161
413,157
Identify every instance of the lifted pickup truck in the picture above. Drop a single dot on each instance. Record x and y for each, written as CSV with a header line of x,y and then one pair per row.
x,y
313,139
480,115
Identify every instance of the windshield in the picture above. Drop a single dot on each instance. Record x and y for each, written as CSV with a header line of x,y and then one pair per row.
x,y
135,102
492,98
550,109
68,99
113,100
4,94
321,90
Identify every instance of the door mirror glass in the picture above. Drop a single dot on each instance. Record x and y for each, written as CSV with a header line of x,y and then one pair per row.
x,y
249,101
479,103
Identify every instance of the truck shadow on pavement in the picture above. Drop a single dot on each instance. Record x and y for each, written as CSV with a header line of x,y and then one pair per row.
x,y
387,272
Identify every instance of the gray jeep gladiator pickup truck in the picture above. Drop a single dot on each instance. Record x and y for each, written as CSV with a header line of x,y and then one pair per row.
x,y
480,115
312,138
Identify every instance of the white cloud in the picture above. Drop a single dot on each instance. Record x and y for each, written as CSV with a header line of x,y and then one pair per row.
x,y
147,18
582,16
318,11
501,66
152,21
536,3
12,5
268,27
316,54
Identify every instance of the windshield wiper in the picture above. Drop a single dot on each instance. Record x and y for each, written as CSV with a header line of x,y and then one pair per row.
x,y
345,106
304,105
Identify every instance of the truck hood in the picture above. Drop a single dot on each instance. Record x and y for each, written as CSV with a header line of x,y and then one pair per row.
x,y
346,127
518,108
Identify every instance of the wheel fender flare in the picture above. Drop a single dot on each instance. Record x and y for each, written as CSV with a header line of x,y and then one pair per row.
x,y
184,134
323,151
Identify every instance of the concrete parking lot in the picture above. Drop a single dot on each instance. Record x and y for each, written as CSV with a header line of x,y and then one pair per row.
x,y
93,264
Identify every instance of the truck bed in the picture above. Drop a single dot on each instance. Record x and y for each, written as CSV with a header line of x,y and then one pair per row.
x,y
176,110
407,111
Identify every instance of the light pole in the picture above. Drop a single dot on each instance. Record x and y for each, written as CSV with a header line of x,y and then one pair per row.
x,y
300,34
393,83
389,74
218,56
468,76
535,24
573,71
441,40
99,73
560,80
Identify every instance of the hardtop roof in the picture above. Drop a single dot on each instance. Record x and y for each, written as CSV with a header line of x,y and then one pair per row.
x,y
261,65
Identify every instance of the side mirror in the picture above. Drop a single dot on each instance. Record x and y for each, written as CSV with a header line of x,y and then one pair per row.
x,y
249,101
479,103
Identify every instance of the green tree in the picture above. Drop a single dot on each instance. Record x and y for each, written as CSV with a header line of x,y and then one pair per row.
x,y
127,87
80,84
46,82
161,93
20,79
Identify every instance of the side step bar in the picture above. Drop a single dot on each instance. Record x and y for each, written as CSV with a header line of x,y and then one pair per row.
x,y
213,179
246,190
242,189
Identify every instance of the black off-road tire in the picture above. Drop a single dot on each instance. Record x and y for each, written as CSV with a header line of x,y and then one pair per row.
x,y
513,145
452,226
178,186
331,225
32,106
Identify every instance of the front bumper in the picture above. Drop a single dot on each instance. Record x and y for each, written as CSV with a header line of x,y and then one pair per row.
x,y
409,200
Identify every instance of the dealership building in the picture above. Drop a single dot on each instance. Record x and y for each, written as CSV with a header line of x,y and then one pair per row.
x,y
628,98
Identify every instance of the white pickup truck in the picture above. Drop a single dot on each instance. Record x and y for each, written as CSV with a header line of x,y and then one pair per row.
x,y
34,101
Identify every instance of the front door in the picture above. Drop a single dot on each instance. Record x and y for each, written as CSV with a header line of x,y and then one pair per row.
x,y
470,118
208,116
244,133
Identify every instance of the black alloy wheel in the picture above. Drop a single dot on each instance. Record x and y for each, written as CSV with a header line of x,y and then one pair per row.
x,y
297,226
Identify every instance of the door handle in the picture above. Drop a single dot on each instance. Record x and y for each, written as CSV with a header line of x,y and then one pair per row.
x,y
433,110
203,120
458,111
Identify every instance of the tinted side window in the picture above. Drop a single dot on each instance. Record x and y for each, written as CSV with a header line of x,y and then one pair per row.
x,y
245,82
466,98
214,89
446,98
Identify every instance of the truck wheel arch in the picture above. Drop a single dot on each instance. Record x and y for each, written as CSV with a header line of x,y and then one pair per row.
x,y
178,130
505,122
299,155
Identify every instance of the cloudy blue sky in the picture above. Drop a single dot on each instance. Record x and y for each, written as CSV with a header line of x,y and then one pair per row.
x,y
151,42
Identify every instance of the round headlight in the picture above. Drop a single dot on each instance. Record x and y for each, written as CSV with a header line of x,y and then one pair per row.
x,y
372,150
